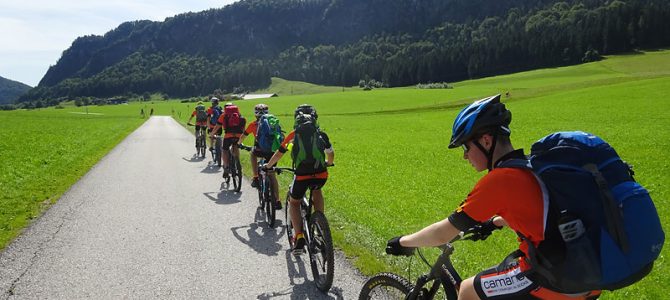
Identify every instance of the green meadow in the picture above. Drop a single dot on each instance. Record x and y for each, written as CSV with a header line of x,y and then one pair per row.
x,y
394,173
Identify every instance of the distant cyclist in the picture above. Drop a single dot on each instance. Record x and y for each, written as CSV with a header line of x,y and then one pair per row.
x,y
200,114
233,124
213,114
259,111
311,153
503,197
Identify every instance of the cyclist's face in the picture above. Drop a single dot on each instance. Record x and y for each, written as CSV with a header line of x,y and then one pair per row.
x,y
474,155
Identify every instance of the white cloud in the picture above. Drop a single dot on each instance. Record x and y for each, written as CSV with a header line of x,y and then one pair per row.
x,y
35,32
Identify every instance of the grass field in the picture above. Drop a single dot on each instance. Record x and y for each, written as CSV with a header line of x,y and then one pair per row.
x,y
394,174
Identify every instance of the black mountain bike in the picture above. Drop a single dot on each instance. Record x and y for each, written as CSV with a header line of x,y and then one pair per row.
x,y
234,169
266,200
442,273
216,150
200,141
317,235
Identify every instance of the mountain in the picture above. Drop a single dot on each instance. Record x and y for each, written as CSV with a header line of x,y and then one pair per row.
x,y
340,42
11,90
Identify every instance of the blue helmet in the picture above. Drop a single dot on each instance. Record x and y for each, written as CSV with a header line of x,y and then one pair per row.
x,y
487,115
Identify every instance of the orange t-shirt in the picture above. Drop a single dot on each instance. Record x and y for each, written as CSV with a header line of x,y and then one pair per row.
x,y
513,194
252,128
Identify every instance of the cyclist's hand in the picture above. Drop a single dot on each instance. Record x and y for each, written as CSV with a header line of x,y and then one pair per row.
x,y
483,230
265,167
393,247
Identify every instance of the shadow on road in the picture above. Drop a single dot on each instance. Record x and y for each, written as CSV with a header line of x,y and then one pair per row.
x,y
194,158
223,197
211,168
266,242
305,289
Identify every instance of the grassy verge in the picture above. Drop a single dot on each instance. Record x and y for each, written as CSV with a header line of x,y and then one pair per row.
x,y
42,153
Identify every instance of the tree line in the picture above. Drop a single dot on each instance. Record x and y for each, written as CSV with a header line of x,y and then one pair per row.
x,y
266,38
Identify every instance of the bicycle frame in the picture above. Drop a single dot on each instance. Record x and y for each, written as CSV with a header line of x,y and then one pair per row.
x,y
442,273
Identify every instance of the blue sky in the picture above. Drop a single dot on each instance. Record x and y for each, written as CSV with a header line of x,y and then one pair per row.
x,y
34,33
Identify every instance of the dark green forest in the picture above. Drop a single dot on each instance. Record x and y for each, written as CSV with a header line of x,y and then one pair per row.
x,y
10,90
340,42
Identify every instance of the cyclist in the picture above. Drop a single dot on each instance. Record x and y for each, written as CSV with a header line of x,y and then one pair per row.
x,y
200,114
259,110
305,178
232,123
503,197
213,113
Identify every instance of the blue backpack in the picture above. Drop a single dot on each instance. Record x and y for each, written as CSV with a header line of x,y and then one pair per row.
x,y
216,113
606,222
269,135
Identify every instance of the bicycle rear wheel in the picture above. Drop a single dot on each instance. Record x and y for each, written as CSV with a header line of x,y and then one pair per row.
x,y
320,250
287,222
270,213
236,173
385,286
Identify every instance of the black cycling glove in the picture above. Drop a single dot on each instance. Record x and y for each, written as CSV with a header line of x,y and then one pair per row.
x,y
483,230
393,247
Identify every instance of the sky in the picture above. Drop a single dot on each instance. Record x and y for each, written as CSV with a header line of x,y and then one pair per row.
x,y
34,33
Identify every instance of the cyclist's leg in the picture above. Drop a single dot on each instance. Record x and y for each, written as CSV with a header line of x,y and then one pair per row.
x,y
227,142
254,163
298,189
467,290
317,195
275,189
235,149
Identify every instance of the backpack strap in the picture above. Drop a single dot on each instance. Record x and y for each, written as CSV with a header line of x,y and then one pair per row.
x,y
613,216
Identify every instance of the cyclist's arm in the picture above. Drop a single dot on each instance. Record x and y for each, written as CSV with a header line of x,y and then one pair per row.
x,y
436,234
215,130
189,119
330,157
242,137
275,158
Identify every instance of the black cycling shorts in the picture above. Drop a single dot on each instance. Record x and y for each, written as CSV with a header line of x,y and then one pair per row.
x,y
299,187
262,154
227,142
209,130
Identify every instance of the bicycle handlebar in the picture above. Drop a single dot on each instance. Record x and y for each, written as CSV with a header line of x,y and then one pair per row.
x,y
244,147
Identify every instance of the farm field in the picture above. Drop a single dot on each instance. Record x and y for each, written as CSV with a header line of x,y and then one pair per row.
x,y
394,173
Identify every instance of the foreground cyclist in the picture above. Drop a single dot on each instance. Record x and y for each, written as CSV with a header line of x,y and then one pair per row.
x,y
232,123
503,197
310,163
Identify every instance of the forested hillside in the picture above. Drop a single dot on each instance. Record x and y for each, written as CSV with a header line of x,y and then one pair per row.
x,y
10,90
339,42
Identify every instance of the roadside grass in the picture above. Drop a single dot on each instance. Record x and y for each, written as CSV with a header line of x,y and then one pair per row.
x,y
394,174
42,153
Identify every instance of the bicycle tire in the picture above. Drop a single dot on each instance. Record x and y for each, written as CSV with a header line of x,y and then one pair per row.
x,y
385,286
236,173
260,193
287,221
270,214
320,249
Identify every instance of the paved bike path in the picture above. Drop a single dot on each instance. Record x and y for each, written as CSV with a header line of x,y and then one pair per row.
x,y
150,221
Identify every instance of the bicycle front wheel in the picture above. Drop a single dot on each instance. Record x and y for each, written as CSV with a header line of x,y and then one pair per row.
x,y
269,204
320,250
385,286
